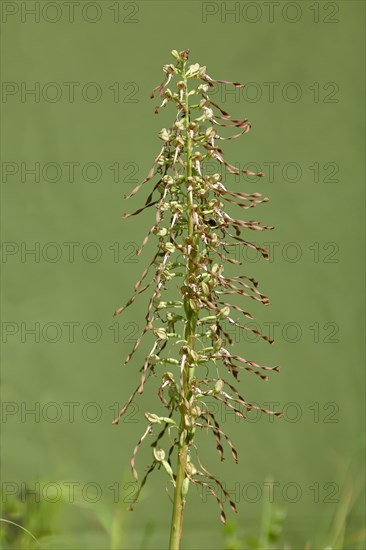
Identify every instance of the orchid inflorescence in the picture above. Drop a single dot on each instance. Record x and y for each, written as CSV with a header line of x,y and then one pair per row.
x,y
195,234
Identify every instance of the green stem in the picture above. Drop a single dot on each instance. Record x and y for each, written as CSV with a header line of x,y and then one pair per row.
x,y
179,501
184,441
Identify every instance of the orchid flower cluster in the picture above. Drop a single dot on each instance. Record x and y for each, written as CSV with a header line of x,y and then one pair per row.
x,y
190,352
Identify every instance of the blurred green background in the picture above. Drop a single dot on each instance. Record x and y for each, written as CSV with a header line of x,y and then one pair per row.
x,y
89,133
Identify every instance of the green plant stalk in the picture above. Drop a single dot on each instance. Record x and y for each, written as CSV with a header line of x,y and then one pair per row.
x,y
183,449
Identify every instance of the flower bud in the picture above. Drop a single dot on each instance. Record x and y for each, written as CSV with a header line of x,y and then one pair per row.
x,y
197,156
219,386
175,206
202,88
164,134
193,70
160,333
161,161
195,411
153,418
169,247
159,454
205,289
193,355
208,114
175,54
178,141
179,125
169,69
154,359
189,421
184,54
210,133
224,312
191,469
